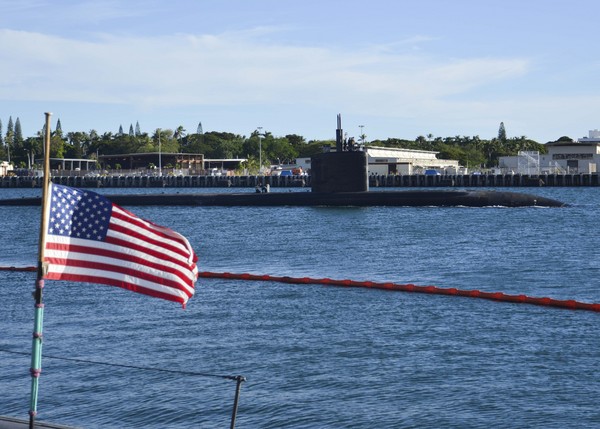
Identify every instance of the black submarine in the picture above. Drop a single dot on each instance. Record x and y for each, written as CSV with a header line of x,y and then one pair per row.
x,y
338,178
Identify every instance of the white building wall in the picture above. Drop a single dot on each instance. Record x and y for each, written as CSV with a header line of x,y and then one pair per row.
x,y
594,134
568,158
406,161
5,167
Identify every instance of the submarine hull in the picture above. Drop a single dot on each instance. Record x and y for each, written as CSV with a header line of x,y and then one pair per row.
x,y
358,199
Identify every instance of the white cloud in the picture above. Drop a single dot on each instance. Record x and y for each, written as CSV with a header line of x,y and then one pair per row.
x,y
232,68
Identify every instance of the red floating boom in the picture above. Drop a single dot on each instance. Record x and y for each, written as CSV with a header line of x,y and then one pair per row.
x,y
434,290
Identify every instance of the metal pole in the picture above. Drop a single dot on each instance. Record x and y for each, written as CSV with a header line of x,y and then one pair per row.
x,y
240,379
259,149
362,134
36,352
159,155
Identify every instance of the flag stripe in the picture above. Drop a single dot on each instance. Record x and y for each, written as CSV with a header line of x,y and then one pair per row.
x,y
161,232
118,282
65,252
122,246
122,240
118,247
127,272
136,230
93,240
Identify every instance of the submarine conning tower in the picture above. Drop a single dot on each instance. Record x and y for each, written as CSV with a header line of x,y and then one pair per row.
x,y
345,170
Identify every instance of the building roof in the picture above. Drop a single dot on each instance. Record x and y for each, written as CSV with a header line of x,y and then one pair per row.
x,y
581,142
124,155
399,149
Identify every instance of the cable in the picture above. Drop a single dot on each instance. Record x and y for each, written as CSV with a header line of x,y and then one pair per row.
x,y
201,374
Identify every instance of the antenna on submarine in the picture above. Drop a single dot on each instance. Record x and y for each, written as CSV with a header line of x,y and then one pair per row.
x,y
339,134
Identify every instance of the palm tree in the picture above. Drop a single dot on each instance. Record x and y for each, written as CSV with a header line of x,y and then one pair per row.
x,y
179,134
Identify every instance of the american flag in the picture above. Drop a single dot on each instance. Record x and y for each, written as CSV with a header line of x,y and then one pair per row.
x,y
90,239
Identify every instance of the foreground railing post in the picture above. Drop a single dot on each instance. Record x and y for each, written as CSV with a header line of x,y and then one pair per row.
x,y
240,379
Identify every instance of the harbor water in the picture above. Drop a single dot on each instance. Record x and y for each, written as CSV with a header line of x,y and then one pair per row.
x,y
322,356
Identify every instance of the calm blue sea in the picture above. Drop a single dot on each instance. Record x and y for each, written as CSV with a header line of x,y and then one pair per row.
x,y
321,356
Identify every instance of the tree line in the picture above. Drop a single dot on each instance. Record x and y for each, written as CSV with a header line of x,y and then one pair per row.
x,y
26,152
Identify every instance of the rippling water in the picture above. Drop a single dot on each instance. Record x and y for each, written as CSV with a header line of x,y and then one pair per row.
x,y
318,356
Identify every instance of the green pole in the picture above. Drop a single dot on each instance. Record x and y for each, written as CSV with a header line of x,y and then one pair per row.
x,y
36,352
38,324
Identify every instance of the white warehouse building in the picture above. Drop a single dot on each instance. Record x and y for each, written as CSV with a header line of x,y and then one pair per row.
x,y
582,156
387,160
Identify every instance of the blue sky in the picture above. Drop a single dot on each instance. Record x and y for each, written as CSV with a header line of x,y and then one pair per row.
x,y
400,68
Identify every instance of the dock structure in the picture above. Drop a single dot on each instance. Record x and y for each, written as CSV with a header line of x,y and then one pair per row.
x,y
375,181
484,180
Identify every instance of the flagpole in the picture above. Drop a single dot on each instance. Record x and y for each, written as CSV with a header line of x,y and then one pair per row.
x,y
36,349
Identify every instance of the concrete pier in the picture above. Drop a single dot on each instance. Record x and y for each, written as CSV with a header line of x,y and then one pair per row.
x,y
482,180
375,181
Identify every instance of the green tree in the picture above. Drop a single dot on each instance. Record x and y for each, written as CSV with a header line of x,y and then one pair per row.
x,y
491,149
280,151
57,147
76,144
33,146
58,131
3,154
194,143
165,141
295,140
10,135
502,133
448,151
313,147
18,131
256,144
19,154
92,144
125,143
395,142
179,134
472,158
251,165
221,145
138,132
564,139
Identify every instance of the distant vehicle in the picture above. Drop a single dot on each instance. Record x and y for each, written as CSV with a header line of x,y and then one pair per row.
x,y
432,173
287,171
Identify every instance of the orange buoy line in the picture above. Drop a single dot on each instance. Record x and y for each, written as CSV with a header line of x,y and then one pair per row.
x,y
433,290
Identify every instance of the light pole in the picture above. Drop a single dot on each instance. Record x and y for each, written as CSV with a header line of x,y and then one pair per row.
x,y
159,154
362,135
259,148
